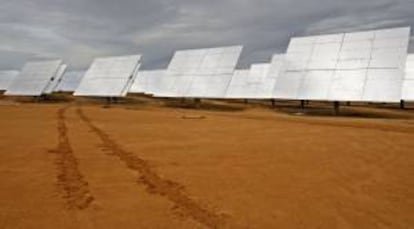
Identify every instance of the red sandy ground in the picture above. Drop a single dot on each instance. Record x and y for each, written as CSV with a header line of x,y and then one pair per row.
x,y
84,166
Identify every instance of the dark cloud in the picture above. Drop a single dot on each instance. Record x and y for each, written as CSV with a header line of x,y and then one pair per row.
x,y
79,30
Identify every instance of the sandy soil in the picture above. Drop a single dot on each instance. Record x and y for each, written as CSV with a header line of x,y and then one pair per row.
x,y
71,165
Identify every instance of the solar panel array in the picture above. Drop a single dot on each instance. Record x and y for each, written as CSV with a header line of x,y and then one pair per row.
x,y
109,77
6,78
369,66
362,66
70,81
35,78
200,73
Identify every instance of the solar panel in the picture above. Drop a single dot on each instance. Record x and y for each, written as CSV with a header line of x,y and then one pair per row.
x,y
139,84
56,80
201,73
361,66
408,86
386,69
257,85
237,84
147,82
6,78
70,81
109,77
315,85
34,78
348,85
154,81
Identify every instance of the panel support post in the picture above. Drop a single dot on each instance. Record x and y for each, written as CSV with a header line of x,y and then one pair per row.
x,y
302,104
37,99
197,103
336,107
273,103
402,104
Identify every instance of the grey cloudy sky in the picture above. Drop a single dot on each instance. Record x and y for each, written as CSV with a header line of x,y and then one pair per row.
x,y
79,30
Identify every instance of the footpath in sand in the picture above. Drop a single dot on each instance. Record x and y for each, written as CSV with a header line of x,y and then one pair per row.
x,y
70,166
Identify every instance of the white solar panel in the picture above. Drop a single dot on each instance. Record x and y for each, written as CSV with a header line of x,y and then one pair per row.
x,y
383,85
236,89
258,85
70,81
258,82
201,73
408,86
147,82
154,81
348,85
139,84
55,80
6,78
109,77
361,66
288,84
34,78
316,85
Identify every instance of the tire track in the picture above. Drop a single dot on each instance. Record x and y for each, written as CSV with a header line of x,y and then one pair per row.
x,y
74,187
156,184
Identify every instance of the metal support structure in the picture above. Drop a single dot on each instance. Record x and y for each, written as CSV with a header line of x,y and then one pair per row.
x,y
273,103
336,107
302,104
402,104
108,100
197,102
115,100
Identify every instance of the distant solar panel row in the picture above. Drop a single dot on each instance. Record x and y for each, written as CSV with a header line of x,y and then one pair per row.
x,y
36,78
